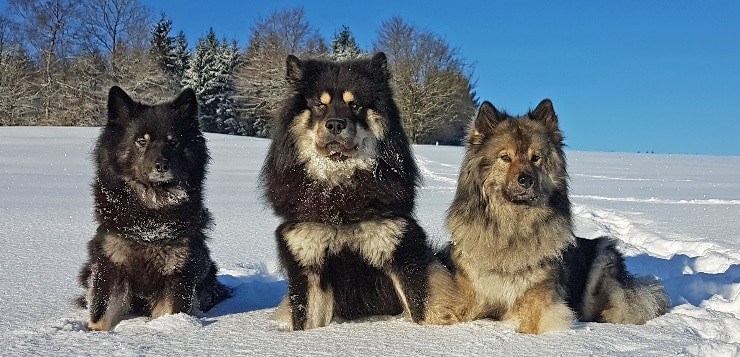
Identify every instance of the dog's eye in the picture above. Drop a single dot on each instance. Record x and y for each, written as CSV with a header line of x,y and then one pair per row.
x,y
320,107
142,142
505,158
536,158
354,106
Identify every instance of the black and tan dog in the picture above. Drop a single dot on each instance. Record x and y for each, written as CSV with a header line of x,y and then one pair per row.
x,y
513,251
149,256
341,175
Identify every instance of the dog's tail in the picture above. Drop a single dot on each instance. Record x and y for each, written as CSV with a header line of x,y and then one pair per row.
x,y
613,295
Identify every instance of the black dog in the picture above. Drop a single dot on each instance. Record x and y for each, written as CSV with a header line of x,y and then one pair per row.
x,y
149,255
341,175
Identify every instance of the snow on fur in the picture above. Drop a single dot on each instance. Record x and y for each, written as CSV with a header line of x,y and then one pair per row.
x,y
674,215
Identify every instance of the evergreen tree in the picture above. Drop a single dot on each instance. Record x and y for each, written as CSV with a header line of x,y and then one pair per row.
x,y
210,76
344,47
181,56
162,45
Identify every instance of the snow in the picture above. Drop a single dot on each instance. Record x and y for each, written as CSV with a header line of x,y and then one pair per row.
x,y
673,214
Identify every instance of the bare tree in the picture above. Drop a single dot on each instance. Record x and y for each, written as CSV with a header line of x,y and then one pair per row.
x,y
261,79
117,26
17,94
116,34
80,48
287,32
7,38
49,28
432,85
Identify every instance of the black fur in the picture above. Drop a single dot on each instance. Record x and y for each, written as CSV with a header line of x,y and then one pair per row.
x,y
389,189
150,246
579,267
385,191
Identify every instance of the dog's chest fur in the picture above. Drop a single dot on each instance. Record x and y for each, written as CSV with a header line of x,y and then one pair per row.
x,y
166,259
503,260
501,289
374,240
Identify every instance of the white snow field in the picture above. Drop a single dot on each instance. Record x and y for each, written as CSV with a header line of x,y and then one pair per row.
x,y
675,215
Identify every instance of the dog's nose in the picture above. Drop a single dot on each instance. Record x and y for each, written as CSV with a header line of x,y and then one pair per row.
x,y
335,126
162,165
525,180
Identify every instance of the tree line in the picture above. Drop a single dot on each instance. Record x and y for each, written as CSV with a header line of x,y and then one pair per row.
x,y
59,58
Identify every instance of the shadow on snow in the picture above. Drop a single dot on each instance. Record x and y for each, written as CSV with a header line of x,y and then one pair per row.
x,y
683,283
250,293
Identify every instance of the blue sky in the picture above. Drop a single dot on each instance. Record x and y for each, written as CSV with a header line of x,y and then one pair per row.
x,y
627,76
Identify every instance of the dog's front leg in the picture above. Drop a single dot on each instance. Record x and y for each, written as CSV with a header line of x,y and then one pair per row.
x,y
409,271
541,309
108,299
302,251
177,297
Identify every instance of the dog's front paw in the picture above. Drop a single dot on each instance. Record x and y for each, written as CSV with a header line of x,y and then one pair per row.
x,y
97,326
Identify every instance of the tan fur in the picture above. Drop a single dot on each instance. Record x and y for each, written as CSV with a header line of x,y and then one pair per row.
x,y
320,304
511,225
377,124
442,305
117,311
635,305
348,97
540,309
375,241
608,300
500,264
283,315
119,250
325,98
323,168
156,199
507,254
530,298
163,307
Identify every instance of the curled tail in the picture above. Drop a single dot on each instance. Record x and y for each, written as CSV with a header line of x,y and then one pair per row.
x,y
613,295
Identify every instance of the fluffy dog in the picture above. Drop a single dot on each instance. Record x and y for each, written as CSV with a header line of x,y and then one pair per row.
x,y
149,256
513,251
341,175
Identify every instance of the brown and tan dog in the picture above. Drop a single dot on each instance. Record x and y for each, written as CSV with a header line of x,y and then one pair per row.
x,y
513,252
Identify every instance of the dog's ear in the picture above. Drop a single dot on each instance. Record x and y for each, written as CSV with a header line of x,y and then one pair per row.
x,y
294,69
485,120
545,113
120,105
187,104
379,65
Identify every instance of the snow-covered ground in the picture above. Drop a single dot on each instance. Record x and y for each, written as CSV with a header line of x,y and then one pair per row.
x,y
675,215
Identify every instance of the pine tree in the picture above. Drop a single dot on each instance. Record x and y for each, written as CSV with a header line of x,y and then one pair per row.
x,y
344,47
181,56
210,75
162,45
